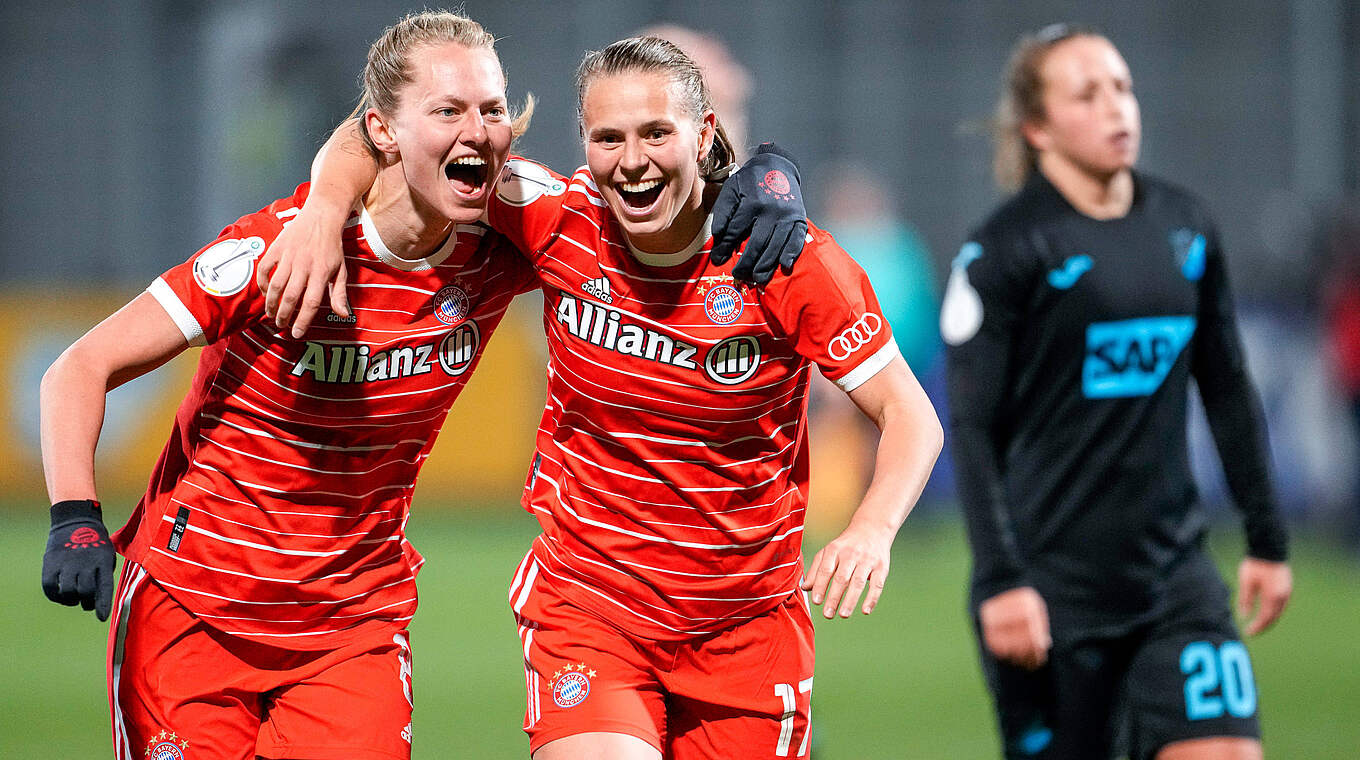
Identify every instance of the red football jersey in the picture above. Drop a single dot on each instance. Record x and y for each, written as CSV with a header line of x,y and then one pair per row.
x,y
671,470
277,510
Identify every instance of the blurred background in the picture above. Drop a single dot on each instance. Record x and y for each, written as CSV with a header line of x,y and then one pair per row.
x,y
140,128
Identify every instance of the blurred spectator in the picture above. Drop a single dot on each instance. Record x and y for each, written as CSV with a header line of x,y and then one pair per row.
x,y
729,83
1341,301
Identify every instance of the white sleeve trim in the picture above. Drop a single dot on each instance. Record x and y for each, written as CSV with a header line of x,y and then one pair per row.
x,y
183,318
869,367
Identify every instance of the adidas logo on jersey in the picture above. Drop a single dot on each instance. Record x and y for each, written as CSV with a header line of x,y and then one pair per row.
x,y
599,287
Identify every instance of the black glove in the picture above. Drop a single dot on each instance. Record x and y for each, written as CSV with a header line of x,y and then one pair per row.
x,y
762,201
78,565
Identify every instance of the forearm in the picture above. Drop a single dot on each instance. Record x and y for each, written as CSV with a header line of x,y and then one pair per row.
x,y
909,443
343,170
71,409
1237,422
997,561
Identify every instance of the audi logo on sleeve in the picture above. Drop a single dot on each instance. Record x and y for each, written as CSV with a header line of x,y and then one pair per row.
x,y
855,337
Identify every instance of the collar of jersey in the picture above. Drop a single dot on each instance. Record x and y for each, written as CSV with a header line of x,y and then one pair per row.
x,y
386,256
679,257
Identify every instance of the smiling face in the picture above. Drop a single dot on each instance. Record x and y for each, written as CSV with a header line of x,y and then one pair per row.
x,y
451,129
643,149
1091,118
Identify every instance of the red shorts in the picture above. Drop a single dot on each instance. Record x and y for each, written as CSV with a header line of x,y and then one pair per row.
x,y
179,688
744,691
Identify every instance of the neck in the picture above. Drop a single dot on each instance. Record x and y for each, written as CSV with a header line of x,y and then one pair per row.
x,y
409,228
1098,196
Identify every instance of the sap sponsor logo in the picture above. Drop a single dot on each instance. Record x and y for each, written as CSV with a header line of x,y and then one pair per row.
x,y
450,304
1067,275
1191,251
604,327
351,363
1132,357
166,746
598,287
734,360
961,312
855,337
571,685
523,182
225,268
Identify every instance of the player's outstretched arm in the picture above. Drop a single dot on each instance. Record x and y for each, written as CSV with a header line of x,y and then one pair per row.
x,y
79,559
909,442
762,203
307,259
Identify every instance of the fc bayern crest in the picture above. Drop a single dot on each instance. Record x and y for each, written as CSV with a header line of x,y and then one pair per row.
x,y
723,304
571,685
451,304
166,746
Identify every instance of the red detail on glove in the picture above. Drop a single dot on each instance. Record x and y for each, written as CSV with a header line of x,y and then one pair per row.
x,y
84,538
776,183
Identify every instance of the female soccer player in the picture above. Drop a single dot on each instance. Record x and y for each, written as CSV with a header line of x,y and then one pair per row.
x,y
660,611
268,583
1075,318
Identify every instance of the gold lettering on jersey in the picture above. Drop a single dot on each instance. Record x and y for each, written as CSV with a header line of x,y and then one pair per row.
x,y
607,329
710,282
353,363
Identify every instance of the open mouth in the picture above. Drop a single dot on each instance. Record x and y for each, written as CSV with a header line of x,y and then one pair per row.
x,y
467,174
640,196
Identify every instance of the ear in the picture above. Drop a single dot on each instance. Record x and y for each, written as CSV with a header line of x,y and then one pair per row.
x,y
381,131
708,131
1036,134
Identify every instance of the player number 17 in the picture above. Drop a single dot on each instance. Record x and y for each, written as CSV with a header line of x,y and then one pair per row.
x,y
785,692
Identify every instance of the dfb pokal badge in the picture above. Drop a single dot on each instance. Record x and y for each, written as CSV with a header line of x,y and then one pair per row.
x,y
571,685
166,746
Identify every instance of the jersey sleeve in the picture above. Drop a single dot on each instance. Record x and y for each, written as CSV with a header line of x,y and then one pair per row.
x,y
987,288
1232,405
213,294
829,311
528,205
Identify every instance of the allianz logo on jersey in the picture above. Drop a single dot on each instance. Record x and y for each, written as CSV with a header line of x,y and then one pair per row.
x,y
1132,357
599,287
729,362
353,363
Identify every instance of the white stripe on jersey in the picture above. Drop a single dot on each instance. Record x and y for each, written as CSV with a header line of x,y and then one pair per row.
x,y
179,314
632,499
695,489
610,439
266,579
869,367
295,492
790,381
659,539
671,415
133,577
439,411
259,529
253,545
308,445
317,470
327,632
289,602
332,616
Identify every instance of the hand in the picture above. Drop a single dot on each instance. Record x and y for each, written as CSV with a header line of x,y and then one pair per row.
x,y
1267,583
305,259
856,560
77,567
761,203
1015,627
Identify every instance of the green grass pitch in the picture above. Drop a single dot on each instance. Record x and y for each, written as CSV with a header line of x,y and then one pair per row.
x,y
902,683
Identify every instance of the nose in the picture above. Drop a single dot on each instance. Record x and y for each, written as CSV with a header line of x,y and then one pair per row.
x,y
634,158
474,128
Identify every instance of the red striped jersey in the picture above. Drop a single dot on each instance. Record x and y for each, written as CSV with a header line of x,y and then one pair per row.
x,y
277,509
671,470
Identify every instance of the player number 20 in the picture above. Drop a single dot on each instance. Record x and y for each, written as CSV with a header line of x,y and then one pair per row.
x,y
785,692
1225,669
